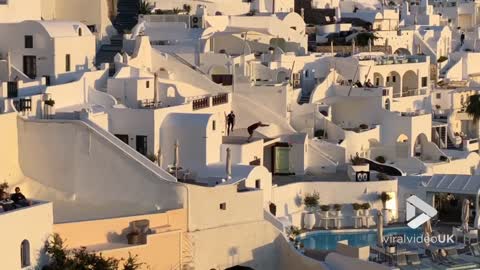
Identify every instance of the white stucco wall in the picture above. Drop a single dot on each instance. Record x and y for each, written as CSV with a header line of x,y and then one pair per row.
x,y
9,163
33,224
20,10
61,155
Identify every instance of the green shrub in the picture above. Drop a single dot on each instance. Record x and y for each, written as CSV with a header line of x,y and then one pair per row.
x,y
61,258
365,206
356,206
325,207
380,159
311,200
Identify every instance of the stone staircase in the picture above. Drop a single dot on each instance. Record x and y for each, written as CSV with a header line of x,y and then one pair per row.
x,y
126,19
127,15
108,51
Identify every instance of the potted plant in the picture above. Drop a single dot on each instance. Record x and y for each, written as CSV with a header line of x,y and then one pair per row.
x,y
292,233
366,208
134,237
384,197
380,159
49,108
325,208
338,209
357,164
311,203
356,208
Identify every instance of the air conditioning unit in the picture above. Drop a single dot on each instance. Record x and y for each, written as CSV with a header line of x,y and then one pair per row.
x,y
196,22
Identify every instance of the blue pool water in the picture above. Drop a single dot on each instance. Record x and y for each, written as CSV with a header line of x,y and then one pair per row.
x,y
327,240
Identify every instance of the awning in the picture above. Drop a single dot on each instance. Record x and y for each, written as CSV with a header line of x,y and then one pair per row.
x,y
450,183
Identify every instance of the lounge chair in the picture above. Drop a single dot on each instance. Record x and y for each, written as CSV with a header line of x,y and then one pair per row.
x,y
457,233
401,260
452,255
469,236
475,249
414,261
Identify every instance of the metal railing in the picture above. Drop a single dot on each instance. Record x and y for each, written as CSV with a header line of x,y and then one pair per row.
x,y
201,103
220,99
150,104
411,92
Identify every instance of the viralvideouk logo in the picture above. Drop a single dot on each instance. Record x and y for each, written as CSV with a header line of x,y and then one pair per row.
x,y
427,212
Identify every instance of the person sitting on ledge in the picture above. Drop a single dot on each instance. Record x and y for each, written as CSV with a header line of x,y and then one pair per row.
x,y
369,84
19,199
358,84
6,203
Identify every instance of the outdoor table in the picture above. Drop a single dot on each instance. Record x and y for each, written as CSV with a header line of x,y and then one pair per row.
x,y
326,220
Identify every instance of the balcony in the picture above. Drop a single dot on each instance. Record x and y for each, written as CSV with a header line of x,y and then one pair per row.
x,y
393,60
411,92
199,103
150,104
220,99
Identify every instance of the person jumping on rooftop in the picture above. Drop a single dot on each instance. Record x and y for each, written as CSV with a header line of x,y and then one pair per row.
x,y
230,122
253,127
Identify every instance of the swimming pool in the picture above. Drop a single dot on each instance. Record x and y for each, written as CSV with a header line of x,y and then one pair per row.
x,y
327,240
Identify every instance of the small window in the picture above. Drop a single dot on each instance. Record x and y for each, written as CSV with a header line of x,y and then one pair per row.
x,y
25,253
257,184
67,63
214,125
141,144
394,78
388,79
424,81
148,84
80,32
438,96
223,206
28,42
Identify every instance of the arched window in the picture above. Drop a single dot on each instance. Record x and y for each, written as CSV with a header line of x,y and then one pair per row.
x,y
387,104
25,253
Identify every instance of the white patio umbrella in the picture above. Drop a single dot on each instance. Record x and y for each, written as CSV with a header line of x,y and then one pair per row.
x,y
155,95
353,47
465,214
379,229
369,45
427,231
229,163
176,156
159,157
